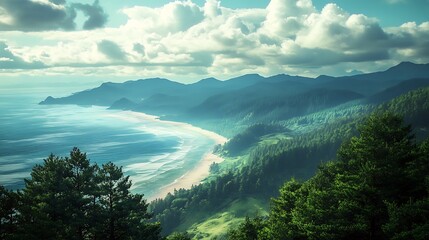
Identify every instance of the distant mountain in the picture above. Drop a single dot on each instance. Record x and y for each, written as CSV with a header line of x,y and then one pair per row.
x,y
232,84
207,83
108,93
414,106
271,102
252,96
399,89
371,83
123,104
160,104
404,70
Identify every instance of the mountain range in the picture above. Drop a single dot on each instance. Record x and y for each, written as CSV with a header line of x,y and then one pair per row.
x,y
249,98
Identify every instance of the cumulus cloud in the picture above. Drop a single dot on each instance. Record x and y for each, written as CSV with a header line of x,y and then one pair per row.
x,y
171,18
212,8
352,38
9,60
182,37
411,41
139,48
58,2
26,15
111,50
284,17
287,33
41,15
96,16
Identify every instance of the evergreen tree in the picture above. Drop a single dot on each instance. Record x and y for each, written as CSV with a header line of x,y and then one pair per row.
x,y
250,229
8,213
83,192
281,211
45,201
70,198
377,189
178,236
410,220
125,214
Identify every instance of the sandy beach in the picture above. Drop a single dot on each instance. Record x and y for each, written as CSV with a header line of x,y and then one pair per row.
x,y
200,171
192,177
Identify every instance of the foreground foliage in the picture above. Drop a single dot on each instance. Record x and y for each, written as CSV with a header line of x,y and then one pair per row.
x,y
378,188
70,198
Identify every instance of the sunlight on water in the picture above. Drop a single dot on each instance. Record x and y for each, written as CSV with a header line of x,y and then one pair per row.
x,y
153,153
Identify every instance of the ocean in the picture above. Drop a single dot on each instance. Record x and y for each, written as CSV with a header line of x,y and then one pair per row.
x,y
153,153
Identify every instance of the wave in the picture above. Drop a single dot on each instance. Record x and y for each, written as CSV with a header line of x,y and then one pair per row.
x,y
153,152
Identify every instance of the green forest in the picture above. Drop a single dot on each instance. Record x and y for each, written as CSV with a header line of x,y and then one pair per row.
x,y
268,162
377,188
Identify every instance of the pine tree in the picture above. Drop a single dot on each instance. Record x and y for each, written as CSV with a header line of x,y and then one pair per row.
x,y
44,201
70,198
83,191
125,214
8,213
281,211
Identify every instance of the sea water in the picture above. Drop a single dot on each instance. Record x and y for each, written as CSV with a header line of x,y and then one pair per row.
x,y
152,153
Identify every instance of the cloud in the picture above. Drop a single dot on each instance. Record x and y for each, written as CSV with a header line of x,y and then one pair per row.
x,y
139,48
354,37
43,15
411,41
171,18
58,2
284,17
111,50
96,16
212,8
9,60
182,38
26,15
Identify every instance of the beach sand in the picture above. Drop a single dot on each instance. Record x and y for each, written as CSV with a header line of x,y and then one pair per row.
x,y
200,171
192,177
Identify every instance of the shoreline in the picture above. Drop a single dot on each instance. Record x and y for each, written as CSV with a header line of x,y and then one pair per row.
x,y
191,178
200,171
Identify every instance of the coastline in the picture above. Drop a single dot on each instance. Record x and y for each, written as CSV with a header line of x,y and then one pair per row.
x,y
200,171
191,178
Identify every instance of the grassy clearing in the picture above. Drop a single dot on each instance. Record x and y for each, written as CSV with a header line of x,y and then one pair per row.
x,y
232,214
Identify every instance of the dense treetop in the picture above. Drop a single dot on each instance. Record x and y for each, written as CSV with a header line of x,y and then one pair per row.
x,y
376,189
70,198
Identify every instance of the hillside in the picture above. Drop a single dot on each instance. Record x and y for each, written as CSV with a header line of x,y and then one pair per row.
x,y
272,159
375,188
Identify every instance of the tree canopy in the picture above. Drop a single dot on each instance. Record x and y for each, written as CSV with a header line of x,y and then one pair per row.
x,y
70,198
376,189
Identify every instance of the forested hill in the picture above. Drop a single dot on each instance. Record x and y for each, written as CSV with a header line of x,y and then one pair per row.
x,y
269,156
377,188
247,99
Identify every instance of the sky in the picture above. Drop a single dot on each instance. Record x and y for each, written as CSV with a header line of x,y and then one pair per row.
x,y
80,41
